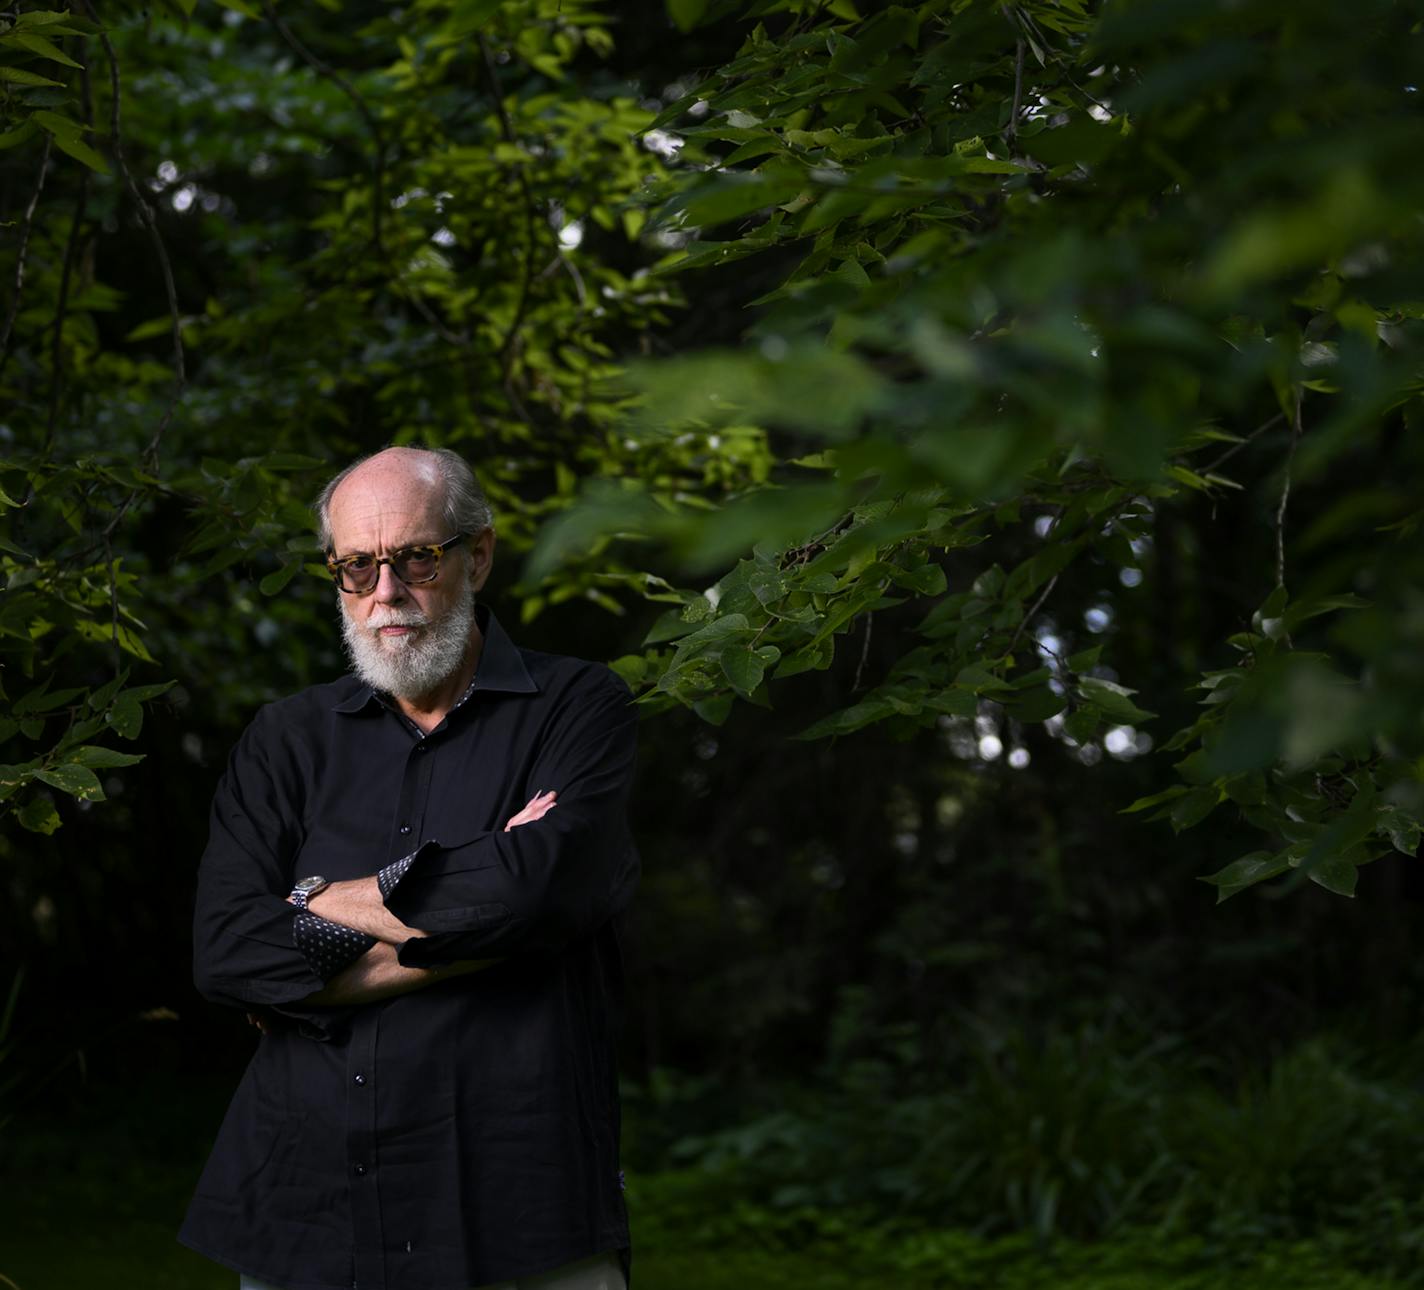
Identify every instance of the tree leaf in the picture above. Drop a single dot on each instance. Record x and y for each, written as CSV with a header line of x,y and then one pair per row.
x,y
19,76
849,719
1155,799
1113,699
1402,829
72,778
100,698
927,579
38,815
143,693
1082,723
1336,874
1194,806
55,17
279,578
13,778
57,123
80,151
101,758
126,717
106,633
742,668
729,195
686,14
1246,872
43,699
1037,704
8,139
715,709
37,44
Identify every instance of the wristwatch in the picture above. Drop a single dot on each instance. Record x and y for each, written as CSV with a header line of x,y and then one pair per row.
x,y
306,888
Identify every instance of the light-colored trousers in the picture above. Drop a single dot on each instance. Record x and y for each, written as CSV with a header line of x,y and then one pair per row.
x,y
599,1272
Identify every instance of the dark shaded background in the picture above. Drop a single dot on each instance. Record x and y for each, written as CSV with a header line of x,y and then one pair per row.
x,y
867,916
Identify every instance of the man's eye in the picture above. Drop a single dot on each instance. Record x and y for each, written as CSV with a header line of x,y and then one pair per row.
x,y
358,563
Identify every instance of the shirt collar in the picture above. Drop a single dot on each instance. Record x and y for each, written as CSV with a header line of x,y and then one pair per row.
x,y
501,667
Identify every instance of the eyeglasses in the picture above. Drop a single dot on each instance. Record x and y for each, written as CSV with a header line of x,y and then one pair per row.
x,y
358,574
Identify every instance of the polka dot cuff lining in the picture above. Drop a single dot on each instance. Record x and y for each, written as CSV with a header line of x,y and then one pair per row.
x,y
328,946
387,878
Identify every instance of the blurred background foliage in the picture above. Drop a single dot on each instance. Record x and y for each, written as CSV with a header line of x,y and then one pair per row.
x,y
986,435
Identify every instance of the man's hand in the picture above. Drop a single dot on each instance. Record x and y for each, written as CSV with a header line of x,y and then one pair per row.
x,y
537,807
378,974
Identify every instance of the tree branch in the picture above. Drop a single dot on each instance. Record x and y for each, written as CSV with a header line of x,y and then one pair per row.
x,y
111,569
1250,438
1032,610
378,163
864,651
507,346
56,362
1013,129
147,218
563,258
25,227
1285,494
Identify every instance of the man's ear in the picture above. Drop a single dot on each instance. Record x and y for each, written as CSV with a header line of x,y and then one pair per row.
x,y
481,558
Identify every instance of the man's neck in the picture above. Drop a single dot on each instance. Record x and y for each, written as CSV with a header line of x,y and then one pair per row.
x,y
429,710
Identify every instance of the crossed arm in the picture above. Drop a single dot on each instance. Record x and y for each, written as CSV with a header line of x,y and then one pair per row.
x,y
377,974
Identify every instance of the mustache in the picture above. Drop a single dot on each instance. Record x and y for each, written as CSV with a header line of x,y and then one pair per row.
x,y
395,618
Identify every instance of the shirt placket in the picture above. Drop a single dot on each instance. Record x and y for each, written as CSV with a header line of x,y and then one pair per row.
x,y
407,830
363,1059
363,1154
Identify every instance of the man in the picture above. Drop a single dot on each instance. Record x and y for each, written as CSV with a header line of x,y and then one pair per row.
x,y
410,884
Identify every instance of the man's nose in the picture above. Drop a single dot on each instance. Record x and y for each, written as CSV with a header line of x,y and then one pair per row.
x,y
390,590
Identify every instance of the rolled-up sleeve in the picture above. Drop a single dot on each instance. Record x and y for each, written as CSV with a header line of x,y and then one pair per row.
x,y
540,885
244,948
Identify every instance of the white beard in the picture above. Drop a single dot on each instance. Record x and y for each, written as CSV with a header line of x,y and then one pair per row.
x,y
411,666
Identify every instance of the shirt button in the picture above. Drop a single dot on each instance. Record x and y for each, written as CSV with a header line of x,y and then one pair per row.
x,y
360,1078
360,1171
405,828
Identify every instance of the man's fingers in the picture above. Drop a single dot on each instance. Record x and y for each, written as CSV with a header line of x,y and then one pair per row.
x,y
536,808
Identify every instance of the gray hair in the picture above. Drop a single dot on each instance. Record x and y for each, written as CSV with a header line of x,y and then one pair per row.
x,y
466,509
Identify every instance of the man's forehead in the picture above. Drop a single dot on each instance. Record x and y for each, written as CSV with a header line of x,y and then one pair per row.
x,y
394,470
388,503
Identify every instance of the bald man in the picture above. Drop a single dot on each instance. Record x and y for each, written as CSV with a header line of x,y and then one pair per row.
x,y
411,886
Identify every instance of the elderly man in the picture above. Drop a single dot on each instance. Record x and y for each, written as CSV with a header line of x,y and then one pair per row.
x,y
410,885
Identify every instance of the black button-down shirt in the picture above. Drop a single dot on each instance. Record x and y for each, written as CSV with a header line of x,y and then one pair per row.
x,y
466,1132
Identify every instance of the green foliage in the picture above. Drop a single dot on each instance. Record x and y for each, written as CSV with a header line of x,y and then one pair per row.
x,y
694,1234
1019,309
309,238
1024,285
1042,1138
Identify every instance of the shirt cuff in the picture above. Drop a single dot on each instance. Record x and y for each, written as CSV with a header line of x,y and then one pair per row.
x,y
390,876
328,947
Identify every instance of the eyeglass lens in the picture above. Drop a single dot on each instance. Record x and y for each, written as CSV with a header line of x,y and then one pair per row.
x,y
413,564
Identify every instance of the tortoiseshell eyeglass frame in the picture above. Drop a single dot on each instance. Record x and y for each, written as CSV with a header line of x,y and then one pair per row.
x,y
340,569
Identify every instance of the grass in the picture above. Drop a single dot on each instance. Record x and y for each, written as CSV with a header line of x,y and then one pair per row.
x,y
77,1249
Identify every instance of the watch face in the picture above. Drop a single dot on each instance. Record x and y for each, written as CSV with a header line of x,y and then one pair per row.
x,y
310,885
